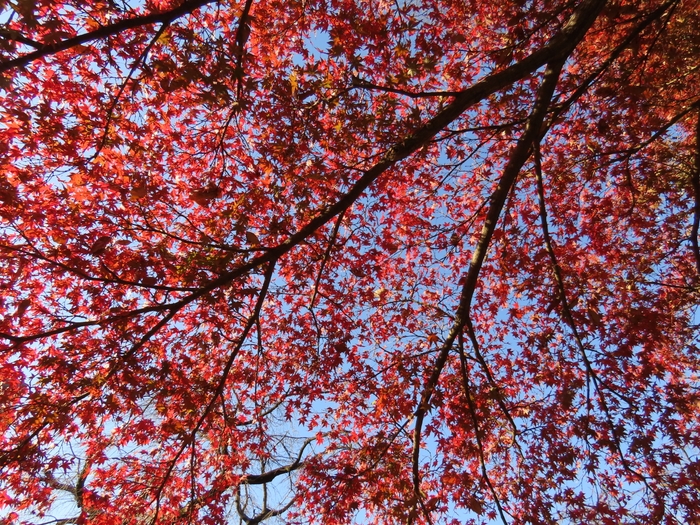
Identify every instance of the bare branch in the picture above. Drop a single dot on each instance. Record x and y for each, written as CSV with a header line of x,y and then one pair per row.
x,y
267,477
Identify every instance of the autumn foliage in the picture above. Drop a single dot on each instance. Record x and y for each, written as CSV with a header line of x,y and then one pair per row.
x,y
335,261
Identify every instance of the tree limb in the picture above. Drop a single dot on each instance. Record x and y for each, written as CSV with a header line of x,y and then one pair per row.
x,y
696,195
270,475
518,156
166,17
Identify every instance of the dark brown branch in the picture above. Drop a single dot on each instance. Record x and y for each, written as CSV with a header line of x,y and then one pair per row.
x,y
569,318
621,47
172,307
267,477
242,34
518,156
166,17
358,82
16,36
696,195
477,430
74,490
216,492
218,390
263,479
87,277
660,132
492,382
494,127
264,514
326,256
558,46
80,484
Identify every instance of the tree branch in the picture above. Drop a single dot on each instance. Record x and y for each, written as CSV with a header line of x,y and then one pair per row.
x,y
115,100
218,391
568,316
267,477
326,256
477,430
558,46
358,82
518,156
166,17
696,194
16,36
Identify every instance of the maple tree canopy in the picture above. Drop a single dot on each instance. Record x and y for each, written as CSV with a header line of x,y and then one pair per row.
x,y
335,261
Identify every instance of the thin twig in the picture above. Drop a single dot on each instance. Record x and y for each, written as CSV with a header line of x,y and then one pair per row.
x,y
122,88
568,316
326,257
477,430
218,390
494,386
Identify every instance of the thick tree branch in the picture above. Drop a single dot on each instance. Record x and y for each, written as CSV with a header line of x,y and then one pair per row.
x,y
557,47
16,36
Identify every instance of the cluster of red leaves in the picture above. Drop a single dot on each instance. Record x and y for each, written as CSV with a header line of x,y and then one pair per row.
x,y
331,261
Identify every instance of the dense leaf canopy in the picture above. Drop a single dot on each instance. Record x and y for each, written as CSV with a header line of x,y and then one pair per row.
x,y
335,261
